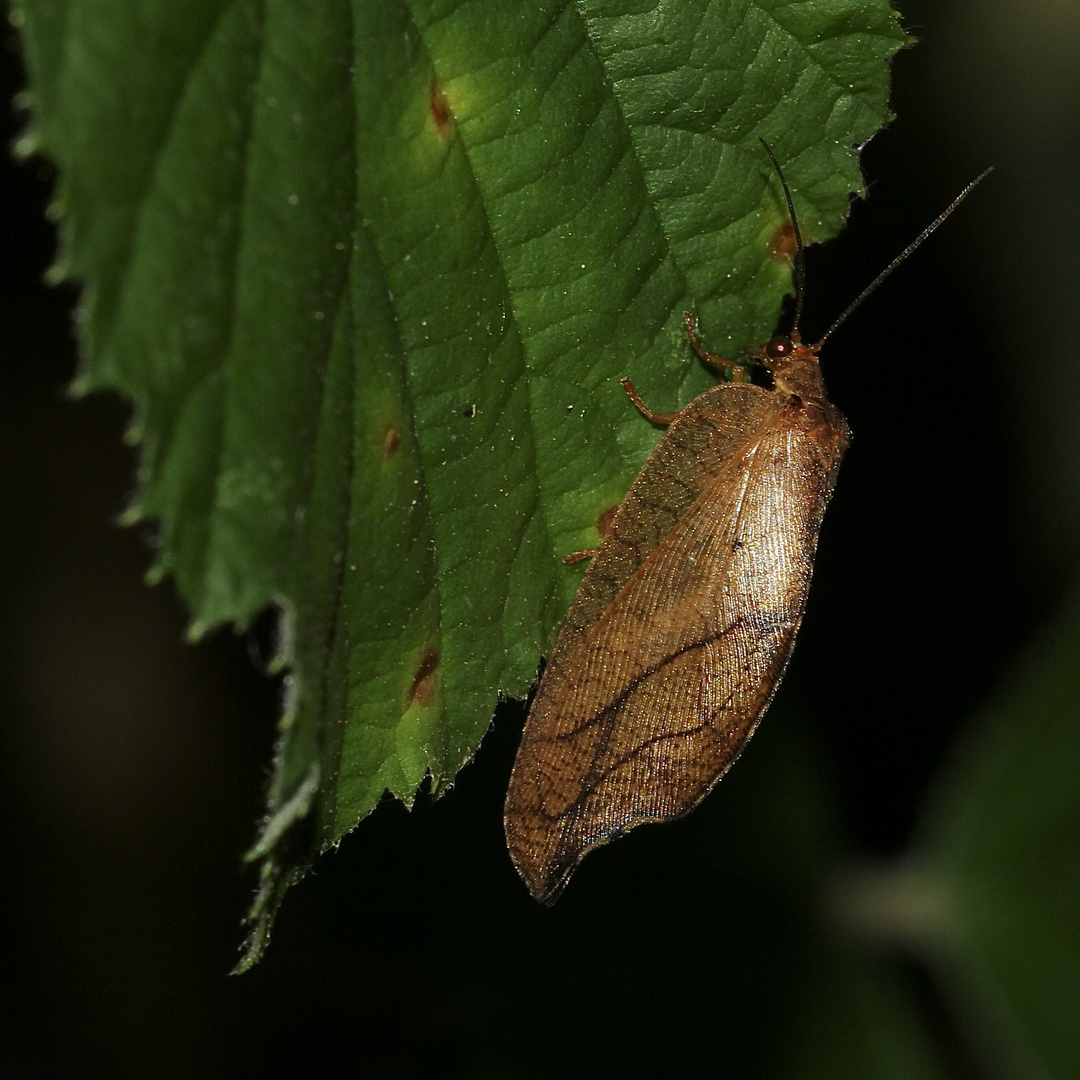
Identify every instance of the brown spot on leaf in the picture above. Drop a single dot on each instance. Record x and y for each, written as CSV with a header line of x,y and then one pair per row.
x,y
422,690
391,440
783,243
440,111
603,522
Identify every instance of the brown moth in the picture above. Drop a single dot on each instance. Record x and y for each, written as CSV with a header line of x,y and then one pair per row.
x,y
684,622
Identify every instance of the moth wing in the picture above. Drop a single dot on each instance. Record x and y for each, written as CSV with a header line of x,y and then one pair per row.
x,y
704,438
642,711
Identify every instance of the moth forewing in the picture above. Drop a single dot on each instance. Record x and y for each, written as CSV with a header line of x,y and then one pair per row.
x,y
682,624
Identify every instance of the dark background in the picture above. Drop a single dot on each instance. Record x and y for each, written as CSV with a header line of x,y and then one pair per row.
x,y
134,765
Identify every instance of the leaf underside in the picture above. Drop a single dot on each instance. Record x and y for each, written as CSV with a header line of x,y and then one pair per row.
x,y
370,273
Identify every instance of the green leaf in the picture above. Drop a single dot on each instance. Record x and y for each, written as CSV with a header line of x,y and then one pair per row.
x,y
370,272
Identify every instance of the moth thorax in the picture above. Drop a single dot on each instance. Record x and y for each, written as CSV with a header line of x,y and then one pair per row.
x,y
798,375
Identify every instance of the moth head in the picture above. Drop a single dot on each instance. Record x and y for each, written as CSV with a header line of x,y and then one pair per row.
x,y
779,348
793,366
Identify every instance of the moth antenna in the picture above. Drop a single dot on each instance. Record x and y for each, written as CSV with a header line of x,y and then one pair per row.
x,y
902,256
800,257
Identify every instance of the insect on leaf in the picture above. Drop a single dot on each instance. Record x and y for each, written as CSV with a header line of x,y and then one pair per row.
x,y
685,621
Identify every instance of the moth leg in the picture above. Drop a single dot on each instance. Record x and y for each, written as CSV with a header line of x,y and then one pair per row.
x,y
603,527
652,417
577,556
732,371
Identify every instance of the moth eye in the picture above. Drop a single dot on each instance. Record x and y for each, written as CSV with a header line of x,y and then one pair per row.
x,y
778,348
